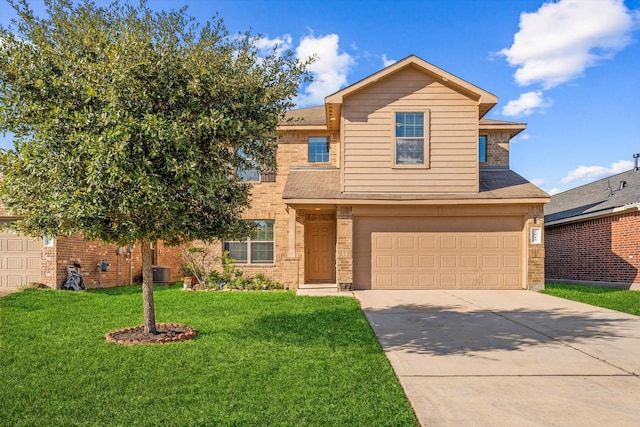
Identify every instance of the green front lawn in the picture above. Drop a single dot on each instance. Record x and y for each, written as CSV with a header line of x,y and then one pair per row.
x,y
260,358
614,299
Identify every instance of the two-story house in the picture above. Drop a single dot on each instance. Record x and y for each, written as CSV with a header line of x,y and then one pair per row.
x,y
397,182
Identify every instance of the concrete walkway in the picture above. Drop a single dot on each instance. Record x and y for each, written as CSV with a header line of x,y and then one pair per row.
x,y
509,358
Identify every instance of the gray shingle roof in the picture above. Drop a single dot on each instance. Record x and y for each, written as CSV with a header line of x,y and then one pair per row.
x,y
595,197
311,116
314,184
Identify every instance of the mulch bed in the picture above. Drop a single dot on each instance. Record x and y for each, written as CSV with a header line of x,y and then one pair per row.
x,y
167,332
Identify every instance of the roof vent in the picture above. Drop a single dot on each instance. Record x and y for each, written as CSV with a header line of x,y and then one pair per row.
x,y
622,185
635,161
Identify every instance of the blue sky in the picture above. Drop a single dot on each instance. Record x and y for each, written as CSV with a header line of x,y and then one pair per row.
x,y
570,69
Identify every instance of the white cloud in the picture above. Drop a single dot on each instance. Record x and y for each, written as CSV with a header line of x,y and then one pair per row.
x,y
266,45
554,190
526,104
539,182
560,40
520,138
386,62
329,70
592,173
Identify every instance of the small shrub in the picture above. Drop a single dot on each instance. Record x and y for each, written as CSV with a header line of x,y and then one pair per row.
x,y
199,262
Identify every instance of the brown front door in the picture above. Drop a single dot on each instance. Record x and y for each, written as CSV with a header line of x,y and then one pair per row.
x,y
320,243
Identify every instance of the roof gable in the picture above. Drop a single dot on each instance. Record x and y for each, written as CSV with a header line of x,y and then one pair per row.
x,y
485,100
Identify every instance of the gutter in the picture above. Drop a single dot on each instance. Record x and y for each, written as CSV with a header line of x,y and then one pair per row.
x,y
593,215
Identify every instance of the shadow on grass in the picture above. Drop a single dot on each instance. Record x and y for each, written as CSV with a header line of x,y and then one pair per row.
x,y
441,330
324,326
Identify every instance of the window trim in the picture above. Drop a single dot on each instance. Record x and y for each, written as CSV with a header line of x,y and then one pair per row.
x,y
328,142
486,146
248,241
426,139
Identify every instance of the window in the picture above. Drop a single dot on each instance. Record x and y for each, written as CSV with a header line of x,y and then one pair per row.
x,y
482,148
257,249
409,139
318,149
248,174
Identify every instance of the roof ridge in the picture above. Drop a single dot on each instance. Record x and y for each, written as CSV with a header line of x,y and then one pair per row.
x,y
595,182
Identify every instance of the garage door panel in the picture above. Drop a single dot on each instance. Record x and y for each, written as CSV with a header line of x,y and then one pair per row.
x,y
20,260
15,245
408,279
384,242
469,281
407,242
491,261
511,281
426,261
445,260
491,280
406,261
426,280
384,261
511,261
426,242
448,280
469,242
511,242
490,242
448,242
469,261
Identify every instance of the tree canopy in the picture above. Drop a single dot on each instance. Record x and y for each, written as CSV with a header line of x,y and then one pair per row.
x,y
130,125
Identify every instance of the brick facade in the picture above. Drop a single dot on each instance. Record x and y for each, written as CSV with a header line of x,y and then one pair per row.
x,y
344,259
497,149
125,265
536,251
596,250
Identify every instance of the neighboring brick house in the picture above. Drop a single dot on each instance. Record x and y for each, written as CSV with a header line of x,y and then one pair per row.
x,y
396,182
592,233
30,260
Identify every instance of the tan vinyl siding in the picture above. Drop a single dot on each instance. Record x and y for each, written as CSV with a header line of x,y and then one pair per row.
x,y
368,137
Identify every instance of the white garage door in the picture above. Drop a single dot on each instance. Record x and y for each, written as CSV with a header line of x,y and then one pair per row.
x,y
438,252
20,260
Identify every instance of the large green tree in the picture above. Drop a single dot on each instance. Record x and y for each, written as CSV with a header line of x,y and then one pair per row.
x,y
130,125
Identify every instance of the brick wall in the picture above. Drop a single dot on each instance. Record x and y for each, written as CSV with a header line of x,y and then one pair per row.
x,y
535,251
89,253
597,250
344,261
498,149
169,256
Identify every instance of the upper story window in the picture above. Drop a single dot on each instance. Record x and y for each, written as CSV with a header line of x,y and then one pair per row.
x,y
253,174
257,249
410,138
318,149
482,148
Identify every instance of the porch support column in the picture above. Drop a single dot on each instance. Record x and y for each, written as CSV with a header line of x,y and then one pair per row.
x,y
344,248
291,253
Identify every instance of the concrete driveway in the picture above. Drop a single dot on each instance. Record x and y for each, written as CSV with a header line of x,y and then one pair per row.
x,y
509,358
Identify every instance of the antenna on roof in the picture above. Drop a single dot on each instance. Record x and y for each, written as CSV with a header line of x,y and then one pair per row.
x,y
635,161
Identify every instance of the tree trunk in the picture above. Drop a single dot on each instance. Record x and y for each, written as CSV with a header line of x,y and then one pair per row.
x,y
147,289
